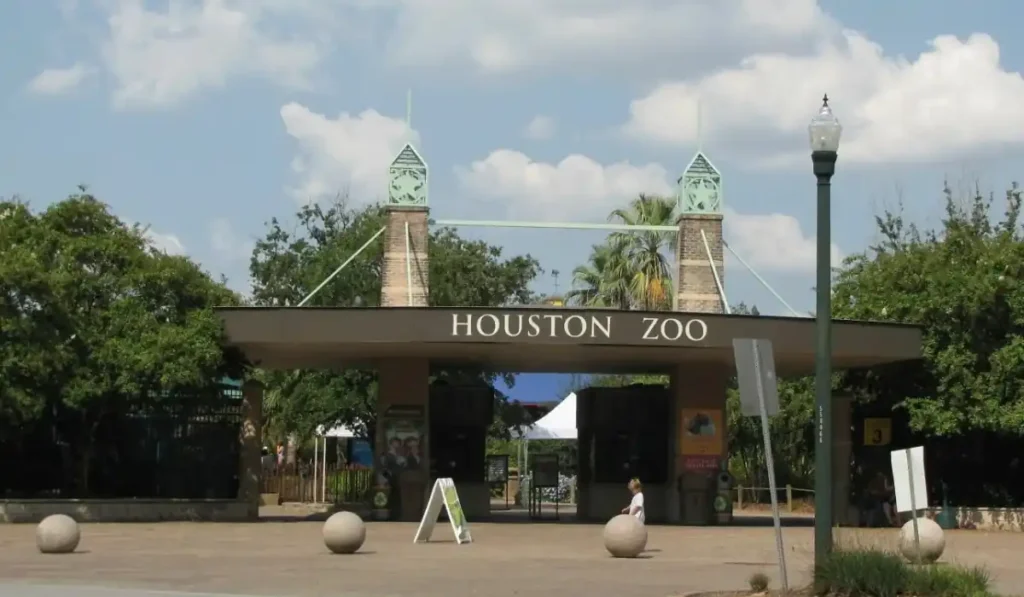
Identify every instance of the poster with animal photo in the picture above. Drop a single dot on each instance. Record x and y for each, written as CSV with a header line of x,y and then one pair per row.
x,y
402,440
701,432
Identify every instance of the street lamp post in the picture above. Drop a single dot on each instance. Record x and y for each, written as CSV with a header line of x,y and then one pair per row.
x,y
825,132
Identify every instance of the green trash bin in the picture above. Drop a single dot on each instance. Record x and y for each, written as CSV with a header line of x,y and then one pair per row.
x,y
947,515
722,504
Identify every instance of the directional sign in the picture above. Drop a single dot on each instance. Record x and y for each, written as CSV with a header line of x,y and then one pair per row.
x,y
754,358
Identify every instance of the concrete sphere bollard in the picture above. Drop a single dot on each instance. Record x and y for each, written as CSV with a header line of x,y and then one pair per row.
x,y
933,541
344,532
57,533
625,536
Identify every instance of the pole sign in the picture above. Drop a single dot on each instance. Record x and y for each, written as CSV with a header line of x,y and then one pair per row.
x,y
755,361
759,395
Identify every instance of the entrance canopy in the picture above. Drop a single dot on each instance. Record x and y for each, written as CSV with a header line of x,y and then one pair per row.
x,y
546,340
560,423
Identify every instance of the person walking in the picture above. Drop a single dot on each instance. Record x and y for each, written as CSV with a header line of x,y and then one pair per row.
x,y
636,505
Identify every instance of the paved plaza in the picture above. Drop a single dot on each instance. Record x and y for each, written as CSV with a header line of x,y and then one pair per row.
x,y
506,559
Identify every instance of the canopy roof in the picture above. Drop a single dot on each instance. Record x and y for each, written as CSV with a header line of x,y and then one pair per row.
x,y
560,423
555,340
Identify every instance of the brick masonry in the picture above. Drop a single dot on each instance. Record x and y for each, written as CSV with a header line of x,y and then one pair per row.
x,y
394,285
405,382
696,385
697,290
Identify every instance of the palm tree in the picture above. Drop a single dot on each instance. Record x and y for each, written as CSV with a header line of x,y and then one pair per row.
x,y
648,276
603,281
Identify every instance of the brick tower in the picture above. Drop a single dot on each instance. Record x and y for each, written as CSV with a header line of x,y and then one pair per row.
x,y
699,196
405,280
698,387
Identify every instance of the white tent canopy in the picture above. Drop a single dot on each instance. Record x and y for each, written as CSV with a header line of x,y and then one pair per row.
x,y
560,423
339,431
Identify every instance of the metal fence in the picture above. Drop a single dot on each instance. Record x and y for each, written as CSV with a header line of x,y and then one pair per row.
x,y
177,447
790,498
298,484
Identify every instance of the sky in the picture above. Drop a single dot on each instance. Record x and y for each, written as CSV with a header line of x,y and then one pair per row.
x,y
203,119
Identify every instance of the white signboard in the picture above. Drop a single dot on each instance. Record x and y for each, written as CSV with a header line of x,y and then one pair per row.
x,y
443,495
908,479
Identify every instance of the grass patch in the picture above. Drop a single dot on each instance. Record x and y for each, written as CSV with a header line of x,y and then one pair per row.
x,y
758,582
878,573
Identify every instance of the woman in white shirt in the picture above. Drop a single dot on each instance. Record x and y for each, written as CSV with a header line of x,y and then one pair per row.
x,y
636,505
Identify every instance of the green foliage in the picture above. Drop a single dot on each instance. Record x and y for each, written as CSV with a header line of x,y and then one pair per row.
x,y
287,265
875,573
504,447
792,433
353,485
758,582
630,270
95,321
621,381
861,573
948,581
965,285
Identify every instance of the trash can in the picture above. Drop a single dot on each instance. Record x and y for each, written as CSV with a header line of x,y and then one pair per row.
x,y
947,515
722,503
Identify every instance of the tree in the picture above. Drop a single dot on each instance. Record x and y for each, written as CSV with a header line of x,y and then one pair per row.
x,y
95,322
964,284
286,266
650,283
604,280
630,269
792,431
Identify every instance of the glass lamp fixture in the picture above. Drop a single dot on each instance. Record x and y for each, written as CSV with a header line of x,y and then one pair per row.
x,y
825,130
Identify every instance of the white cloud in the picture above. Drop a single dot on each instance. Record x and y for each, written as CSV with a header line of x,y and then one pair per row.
x,y
540,128
773,242
159,58
576,188
160,54
227,243
952,99
580,189
55,81
231,253
167,243
350,153
653,36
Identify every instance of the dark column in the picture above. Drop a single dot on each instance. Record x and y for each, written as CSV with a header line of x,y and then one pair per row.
x,y
842,448
402,410
697,391
250,448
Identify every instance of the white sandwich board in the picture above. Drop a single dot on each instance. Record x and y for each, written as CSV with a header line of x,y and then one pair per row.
x,y
908,480
909,484
443,494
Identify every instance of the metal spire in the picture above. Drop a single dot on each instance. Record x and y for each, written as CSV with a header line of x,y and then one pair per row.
x,y
408,109
700,127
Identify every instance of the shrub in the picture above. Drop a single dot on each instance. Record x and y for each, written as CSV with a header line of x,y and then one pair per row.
x,y
948,581
876,573
758,582
861,573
